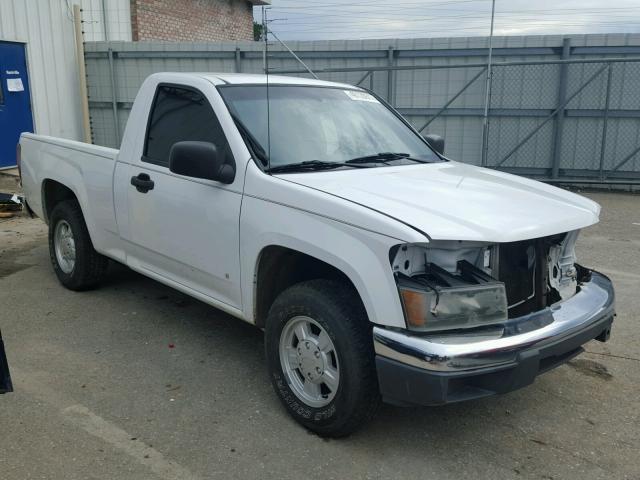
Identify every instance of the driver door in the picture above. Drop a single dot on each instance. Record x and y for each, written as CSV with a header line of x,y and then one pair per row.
x,y
184,231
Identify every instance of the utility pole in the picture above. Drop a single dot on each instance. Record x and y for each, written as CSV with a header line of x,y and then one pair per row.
x,y
487,91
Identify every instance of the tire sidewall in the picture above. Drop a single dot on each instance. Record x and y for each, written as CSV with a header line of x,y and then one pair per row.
x,y
344,403
64,211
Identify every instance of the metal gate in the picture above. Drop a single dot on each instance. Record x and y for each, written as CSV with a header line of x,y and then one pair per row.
x,y
561,110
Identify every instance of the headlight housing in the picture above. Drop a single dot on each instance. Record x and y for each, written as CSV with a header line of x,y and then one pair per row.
x,y
436,299
448,308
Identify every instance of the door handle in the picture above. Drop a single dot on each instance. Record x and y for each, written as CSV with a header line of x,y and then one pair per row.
x,y
142,182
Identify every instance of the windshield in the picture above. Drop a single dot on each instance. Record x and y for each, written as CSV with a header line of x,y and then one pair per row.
x,y
321,124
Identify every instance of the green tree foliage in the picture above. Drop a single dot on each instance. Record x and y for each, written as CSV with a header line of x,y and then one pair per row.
x,y
258,30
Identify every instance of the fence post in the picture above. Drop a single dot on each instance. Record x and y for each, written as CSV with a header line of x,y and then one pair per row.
x,y
238,60
562,95
82,74
114,100
390,76
603,143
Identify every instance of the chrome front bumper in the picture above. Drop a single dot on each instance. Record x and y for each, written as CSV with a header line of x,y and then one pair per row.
x,y
434,370
462,352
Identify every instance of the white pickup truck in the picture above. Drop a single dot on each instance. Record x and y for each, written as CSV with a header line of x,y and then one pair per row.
x,y
378,268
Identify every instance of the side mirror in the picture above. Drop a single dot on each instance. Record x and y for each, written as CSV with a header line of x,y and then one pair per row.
x,y
200,160
436,142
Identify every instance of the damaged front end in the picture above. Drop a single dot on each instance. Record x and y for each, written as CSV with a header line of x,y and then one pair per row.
x,y
484,319
451,285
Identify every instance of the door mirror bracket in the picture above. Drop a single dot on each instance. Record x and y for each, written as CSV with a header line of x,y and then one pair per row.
x,y
200,160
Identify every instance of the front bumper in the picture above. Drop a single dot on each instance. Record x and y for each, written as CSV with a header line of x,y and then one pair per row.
x,y
434,370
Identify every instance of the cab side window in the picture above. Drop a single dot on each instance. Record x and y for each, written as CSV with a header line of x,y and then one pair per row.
x,y
180,114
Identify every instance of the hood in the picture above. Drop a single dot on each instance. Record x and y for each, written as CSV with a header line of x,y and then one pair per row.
x,y
455,201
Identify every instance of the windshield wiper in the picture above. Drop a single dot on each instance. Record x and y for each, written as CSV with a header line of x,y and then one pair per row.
x,y
384,157
311,165
251,140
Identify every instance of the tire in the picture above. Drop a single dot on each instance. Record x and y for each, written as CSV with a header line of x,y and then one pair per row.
x,y
88,267
335,309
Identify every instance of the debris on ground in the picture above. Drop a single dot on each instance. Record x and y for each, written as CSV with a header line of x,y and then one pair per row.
x,y
10,204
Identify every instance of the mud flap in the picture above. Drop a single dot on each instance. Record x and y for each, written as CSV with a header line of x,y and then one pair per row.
x,y
5,377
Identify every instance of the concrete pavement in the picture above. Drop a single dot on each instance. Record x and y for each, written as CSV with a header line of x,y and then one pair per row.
x,y
137,381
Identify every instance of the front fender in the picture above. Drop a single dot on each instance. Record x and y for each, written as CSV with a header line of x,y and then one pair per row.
x,y
362,255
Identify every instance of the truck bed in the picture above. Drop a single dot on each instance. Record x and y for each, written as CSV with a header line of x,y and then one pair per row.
x,y
87,170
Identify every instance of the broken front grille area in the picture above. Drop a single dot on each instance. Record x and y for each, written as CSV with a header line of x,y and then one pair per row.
x,y
523,267
533,274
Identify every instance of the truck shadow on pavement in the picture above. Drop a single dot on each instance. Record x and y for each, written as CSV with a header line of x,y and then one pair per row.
x,y
239,345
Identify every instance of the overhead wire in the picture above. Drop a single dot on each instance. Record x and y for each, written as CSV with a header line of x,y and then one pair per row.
x,y
378,21
307,22
373,4
370,15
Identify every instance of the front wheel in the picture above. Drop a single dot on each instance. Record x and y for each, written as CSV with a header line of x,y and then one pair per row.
x,y
320,357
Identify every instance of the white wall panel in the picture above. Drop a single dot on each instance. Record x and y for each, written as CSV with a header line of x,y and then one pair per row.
x,y
46,27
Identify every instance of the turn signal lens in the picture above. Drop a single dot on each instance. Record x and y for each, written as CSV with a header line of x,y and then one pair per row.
x,y
416,307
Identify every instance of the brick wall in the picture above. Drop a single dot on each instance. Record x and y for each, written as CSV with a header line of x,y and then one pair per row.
x,y
191,20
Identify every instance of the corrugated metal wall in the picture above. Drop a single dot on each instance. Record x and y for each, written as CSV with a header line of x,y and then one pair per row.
x,y
522,97
46,27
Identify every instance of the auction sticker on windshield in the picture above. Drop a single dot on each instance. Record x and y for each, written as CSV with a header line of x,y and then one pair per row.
x,y
360,96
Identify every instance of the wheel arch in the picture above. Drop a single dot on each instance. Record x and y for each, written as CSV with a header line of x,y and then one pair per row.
x,y
54,192
279,267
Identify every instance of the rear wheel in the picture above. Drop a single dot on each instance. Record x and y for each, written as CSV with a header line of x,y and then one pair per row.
x,y
76,263
320,357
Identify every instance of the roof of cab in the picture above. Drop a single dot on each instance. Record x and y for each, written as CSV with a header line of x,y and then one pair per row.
x,y
253,79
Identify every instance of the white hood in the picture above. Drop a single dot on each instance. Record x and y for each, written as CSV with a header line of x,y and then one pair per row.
x,y
455,201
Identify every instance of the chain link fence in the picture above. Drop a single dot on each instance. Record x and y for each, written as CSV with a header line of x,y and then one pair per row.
x,y
553,116
578,121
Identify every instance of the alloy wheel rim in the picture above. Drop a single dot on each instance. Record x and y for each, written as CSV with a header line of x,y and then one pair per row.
x,y
64,246
310,361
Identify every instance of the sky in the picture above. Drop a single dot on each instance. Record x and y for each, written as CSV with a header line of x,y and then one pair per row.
x,y
365,19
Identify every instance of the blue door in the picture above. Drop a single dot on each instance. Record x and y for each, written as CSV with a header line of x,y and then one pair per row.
x,y
15,101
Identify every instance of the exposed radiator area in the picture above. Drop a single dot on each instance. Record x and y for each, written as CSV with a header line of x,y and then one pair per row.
x,y
537,272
